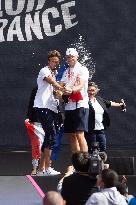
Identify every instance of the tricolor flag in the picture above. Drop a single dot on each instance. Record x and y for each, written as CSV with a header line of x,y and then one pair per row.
x,y
36,135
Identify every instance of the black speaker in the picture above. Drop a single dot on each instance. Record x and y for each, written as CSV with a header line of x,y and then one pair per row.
x,y
122,165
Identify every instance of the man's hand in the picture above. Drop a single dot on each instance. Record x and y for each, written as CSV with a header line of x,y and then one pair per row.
x,y
67,90
58,93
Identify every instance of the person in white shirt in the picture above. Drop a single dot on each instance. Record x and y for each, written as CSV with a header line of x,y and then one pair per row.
x,y
46,107
99,118
75,79
108,195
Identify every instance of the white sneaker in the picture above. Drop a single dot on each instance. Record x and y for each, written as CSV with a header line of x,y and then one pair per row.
x,y
40,173
51,172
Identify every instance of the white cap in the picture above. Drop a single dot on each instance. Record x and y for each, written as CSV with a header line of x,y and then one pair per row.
x,y
71,51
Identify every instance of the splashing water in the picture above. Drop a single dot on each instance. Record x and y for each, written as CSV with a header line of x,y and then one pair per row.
x,y
85,56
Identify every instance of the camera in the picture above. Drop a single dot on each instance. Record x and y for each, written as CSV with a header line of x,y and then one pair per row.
x,y
97,160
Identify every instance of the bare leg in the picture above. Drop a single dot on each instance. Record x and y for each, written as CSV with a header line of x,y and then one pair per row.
x,y
82,141
35,165
45,161
34,171
47,155
42,162
74,143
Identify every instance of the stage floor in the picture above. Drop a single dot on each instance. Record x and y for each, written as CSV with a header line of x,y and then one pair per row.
x,y
18,190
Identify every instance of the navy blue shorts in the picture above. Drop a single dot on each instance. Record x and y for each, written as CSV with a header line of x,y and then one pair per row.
x,y
47,119
76,120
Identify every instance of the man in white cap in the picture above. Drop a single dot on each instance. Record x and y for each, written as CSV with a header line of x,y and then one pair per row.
x,y
75,79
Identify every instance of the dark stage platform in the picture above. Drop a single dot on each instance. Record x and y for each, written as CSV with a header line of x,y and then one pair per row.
x,y
18,163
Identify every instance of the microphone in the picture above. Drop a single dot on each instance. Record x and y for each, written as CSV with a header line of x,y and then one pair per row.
x,y
123,106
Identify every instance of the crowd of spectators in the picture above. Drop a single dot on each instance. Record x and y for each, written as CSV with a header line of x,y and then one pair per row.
x,y
80,186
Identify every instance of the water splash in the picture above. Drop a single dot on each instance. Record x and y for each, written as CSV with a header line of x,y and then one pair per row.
x,y
85,56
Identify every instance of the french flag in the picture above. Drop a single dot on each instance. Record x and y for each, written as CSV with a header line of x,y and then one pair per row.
x,y
36,135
